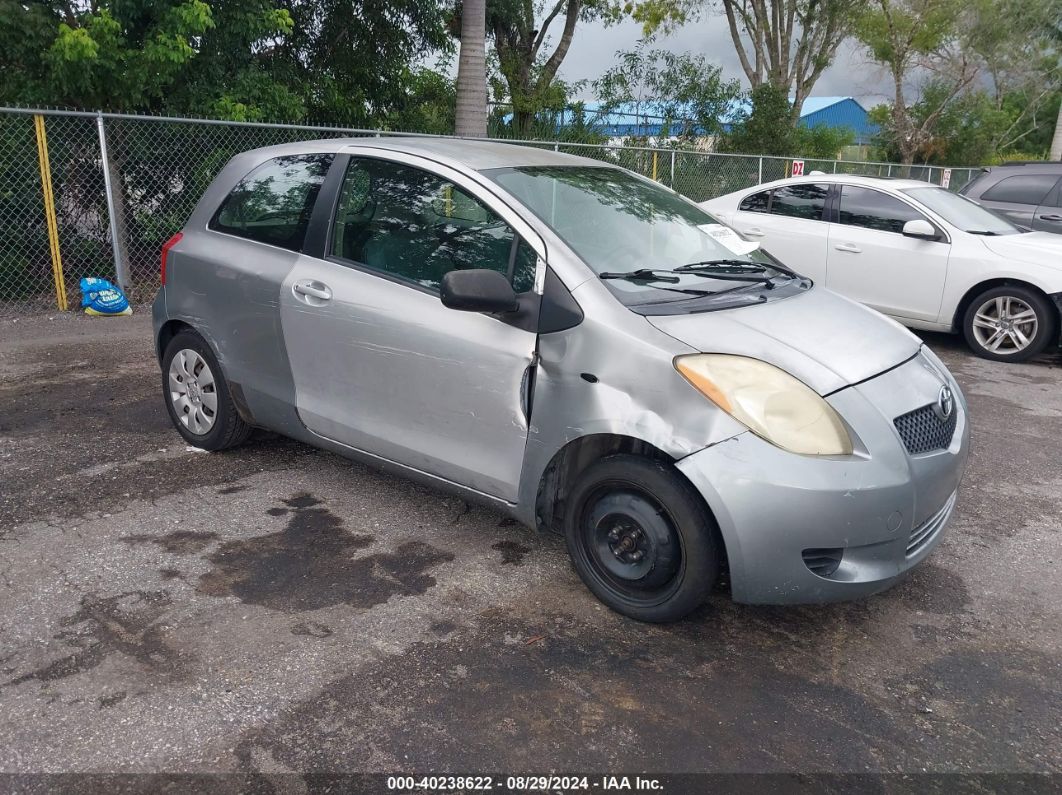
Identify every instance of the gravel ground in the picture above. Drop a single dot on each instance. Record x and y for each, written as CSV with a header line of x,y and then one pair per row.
x,y
276,609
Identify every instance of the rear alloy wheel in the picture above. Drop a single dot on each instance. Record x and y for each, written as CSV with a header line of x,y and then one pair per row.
x,y
197,395
641,538
1009,324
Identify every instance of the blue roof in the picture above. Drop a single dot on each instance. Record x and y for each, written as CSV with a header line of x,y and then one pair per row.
x,y
649,118
815,104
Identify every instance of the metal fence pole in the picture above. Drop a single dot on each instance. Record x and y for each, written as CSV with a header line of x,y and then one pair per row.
x,y
759,173
672,169
120,271
49,212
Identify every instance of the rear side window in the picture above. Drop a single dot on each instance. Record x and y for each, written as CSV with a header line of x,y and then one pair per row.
x,y
872,209
417,226
799,201
273,203
1022,189
756,203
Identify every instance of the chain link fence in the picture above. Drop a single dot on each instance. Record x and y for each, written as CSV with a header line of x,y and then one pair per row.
x,y
122,185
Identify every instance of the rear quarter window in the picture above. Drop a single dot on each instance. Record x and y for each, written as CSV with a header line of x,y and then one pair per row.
x,y
273,203
1029,189
756,203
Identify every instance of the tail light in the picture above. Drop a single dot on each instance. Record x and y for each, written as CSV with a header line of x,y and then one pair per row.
x,y
173,241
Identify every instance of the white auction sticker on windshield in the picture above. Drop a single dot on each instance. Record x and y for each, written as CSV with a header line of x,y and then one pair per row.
x,y
729,238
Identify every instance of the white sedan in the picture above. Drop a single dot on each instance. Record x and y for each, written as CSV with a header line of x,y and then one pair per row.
x,y
926,257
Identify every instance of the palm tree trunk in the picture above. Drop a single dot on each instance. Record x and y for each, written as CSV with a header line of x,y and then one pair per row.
x,y
472,71
1056,142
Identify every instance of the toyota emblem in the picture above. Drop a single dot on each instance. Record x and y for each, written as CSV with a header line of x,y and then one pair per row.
x,y
945,403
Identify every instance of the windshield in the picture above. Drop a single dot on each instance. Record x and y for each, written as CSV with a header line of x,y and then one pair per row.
x,y
962,212
622,225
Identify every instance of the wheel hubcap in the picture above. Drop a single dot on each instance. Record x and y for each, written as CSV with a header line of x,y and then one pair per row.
x,y
193,392
1005,325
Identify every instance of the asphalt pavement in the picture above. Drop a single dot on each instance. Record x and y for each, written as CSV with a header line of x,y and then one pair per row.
x,y
276,609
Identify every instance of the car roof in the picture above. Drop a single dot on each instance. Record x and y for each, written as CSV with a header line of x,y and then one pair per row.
x,y
469,153
896,183
1042,166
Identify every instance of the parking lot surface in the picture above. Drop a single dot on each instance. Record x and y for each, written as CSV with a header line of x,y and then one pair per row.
x,y
278,609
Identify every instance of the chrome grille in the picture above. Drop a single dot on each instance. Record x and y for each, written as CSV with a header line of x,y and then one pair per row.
x,y
922,430
928,530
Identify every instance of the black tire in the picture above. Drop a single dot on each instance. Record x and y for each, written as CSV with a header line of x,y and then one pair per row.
x,y
1045,328
228,428
625,504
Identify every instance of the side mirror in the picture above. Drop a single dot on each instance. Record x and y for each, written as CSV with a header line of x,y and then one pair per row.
x,y
478,290
921,229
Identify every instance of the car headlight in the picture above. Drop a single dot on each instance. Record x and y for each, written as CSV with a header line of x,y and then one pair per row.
x,y
773,404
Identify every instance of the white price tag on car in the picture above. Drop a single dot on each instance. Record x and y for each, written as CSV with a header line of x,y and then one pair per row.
x,y
729,238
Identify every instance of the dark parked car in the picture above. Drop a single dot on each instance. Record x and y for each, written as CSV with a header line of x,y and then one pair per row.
x,y
1029,194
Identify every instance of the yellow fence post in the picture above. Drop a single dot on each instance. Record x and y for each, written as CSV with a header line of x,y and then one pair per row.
x,y
654,167
49,212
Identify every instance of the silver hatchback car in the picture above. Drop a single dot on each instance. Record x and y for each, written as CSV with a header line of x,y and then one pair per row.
x,y
573,344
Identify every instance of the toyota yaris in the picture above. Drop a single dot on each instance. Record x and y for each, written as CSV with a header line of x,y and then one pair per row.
x,y
570,343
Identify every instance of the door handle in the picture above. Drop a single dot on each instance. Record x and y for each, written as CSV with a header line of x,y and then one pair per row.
x,y
1051,217
312,290
755,232
849,247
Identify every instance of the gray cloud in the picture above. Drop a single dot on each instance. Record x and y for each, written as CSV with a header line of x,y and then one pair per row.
x,y
594,50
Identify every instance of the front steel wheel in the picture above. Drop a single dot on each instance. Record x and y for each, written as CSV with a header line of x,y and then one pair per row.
x,y
1009,323
641,538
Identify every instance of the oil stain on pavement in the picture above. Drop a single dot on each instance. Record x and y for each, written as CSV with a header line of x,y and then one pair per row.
x,y
512,552
310,565
179,542
128,624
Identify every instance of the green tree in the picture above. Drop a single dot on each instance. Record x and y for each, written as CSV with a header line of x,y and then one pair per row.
x,y
785,43
528,56
762,127
122,58
981,74
686,91
912,36
345,61
352,59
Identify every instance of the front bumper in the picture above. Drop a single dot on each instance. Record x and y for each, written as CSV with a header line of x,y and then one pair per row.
x,y
885,509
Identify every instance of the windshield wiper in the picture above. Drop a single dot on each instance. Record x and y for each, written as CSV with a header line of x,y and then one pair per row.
x,y
985,232
640,275
724,266
732,266
648,275
723,274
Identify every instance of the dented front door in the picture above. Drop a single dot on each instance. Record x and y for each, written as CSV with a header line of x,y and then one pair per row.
x,y
384,367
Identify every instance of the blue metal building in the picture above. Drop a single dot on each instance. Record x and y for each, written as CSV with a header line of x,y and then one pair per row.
x,y
647,118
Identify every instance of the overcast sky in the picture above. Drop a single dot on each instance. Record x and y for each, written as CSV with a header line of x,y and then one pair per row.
x,y
594,47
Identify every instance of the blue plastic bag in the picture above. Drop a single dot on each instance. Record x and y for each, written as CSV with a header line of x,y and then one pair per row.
x,y
100,297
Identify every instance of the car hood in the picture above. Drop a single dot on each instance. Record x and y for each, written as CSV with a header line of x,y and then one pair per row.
x,y
1042,248
825,340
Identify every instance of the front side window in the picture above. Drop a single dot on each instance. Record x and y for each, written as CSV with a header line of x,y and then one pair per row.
x,y
756,203
1022,189
873,209
417,226
273,203
799,201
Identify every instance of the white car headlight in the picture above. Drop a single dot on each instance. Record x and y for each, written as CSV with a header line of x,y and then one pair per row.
x,y
773,404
